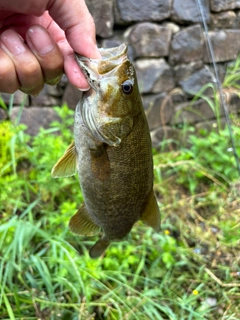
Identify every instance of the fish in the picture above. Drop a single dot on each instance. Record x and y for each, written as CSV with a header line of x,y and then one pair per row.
x,y
111,152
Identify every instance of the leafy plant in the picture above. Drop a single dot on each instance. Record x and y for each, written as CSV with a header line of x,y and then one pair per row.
x,y
232,77
46,273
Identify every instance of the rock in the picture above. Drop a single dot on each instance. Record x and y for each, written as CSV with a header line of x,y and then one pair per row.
x,y
183,71
18,98
3,114
127,11
210,125
35,118
45,98
193,112
171,26
71,96
63,82
158,109
102,12
177,96
232,100
154,75
224,5
56,91
187,45
113,41
149,39
117,15
193,84
236,24
223,20
187,11
221,69
225,44
165,138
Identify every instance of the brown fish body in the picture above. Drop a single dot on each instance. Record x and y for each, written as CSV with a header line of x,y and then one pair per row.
x,y
113,151
116,181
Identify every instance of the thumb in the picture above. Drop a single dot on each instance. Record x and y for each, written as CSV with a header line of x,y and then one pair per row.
x,y
74,18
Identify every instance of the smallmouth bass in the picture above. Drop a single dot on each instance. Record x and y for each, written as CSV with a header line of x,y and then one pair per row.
x,y
112,152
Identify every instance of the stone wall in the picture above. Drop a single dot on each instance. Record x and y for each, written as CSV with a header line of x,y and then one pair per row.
x,y
169,49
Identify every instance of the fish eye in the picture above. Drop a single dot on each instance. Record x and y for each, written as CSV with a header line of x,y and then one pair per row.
x,y
127,87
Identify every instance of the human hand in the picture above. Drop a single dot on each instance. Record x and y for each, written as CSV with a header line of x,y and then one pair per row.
x,y
38,40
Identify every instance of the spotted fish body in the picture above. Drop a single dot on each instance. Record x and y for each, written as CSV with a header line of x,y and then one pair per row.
x,y
112,152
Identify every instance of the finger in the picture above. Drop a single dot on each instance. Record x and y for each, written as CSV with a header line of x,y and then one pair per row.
x,y
8,77
25,7
27,67
47,53
73,17
71,68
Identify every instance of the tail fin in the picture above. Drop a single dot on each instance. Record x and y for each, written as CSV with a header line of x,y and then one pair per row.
x,y
99,247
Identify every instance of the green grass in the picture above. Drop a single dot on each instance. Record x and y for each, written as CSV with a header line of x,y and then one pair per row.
x,y
232,76
46,272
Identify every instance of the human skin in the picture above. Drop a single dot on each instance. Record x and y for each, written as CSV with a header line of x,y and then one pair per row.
x,y
37,43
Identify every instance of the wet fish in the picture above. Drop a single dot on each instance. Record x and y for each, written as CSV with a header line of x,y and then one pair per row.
x,y
111,152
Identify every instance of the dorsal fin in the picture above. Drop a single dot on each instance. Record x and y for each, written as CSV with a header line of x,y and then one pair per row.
x,y
82,224
66,165
151,214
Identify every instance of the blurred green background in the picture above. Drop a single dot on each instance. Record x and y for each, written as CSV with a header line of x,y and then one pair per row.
x,y
190,270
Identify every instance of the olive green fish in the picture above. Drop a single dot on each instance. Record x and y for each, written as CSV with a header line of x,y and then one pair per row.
x,y
111,152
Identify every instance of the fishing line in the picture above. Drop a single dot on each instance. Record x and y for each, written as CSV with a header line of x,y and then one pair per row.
x,y
218,84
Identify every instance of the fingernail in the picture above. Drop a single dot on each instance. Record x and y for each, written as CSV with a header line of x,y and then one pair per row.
x,y
40,39
83,89
13,42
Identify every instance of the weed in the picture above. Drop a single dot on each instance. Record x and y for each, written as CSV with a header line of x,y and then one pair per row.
x,y
232,76
46,273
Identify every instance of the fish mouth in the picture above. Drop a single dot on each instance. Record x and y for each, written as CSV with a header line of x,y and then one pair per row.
x,y
95,69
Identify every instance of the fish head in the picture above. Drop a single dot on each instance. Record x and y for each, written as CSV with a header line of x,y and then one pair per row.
x,y
113,98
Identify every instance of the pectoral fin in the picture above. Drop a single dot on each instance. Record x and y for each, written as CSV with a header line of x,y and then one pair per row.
x,y
82,224
100,163
99,247
151,214
66,165
114,130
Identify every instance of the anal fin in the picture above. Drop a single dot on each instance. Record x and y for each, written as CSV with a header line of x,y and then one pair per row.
x,y
151,214
66,165
82,224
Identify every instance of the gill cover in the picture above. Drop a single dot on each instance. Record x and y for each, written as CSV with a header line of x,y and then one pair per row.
x,y
102,124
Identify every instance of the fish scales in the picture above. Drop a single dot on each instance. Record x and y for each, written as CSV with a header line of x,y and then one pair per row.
x,y
119,198
112,152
